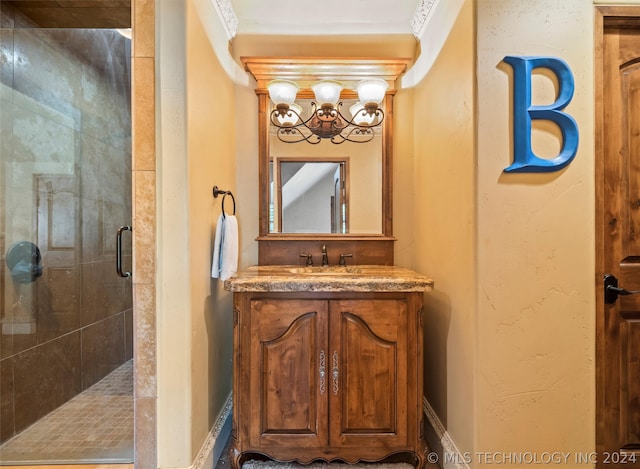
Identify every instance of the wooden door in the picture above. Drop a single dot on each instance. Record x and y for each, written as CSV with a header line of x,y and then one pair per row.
x,y
618,215
58,237
287,379
369,387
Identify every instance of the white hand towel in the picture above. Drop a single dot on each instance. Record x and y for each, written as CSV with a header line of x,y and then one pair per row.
x,y
215,263
225,249
229,251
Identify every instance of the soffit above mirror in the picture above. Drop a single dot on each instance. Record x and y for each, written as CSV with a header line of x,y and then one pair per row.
x,y
308,70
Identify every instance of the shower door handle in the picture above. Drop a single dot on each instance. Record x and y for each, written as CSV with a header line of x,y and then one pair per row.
x,y
119,252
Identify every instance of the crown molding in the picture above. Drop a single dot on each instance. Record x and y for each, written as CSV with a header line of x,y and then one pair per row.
x,y
227,17
306,70
419,20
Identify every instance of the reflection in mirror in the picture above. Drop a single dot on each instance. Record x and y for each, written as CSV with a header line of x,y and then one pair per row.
x,y
312,196
298,171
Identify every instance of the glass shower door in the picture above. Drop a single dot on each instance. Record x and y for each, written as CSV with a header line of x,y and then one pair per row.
x,y
65,189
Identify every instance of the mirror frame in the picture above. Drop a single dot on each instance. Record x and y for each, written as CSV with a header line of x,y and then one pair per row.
x,y
287,248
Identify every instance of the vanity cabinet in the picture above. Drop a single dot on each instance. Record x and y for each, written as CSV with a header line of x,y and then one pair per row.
x,y
328,376
327,359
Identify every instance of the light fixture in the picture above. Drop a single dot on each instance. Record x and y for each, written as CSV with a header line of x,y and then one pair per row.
x,y
326,120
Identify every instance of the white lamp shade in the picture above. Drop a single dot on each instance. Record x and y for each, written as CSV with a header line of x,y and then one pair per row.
x,y
282,91
327,92
290,118
359,116
372,90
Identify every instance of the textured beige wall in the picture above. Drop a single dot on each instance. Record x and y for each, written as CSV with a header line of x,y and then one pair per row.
x,y
534,357
403,184
211,150
444,226
510,326
173,271
194,312
246,124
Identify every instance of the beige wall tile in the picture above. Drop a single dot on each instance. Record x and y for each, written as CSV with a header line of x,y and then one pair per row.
x,y
145,435
143,119
144,227
143,22
145,341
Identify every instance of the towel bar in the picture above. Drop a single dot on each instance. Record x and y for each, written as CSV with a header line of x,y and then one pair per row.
x,y
217,192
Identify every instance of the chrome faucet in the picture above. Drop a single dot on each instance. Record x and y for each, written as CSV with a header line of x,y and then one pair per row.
x,y
325,258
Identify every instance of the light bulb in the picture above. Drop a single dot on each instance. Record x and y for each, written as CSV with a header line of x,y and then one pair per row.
x,y
360,116
290,118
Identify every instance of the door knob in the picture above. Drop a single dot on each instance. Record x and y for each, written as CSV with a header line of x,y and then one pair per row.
x,y
612,291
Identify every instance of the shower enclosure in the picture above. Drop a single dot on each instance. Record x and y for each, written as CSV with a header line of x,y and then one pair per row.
x,y
65,190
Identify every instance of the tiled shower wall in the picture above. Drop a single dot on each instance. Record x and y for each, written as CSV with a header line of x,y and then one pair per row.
x,y
69,328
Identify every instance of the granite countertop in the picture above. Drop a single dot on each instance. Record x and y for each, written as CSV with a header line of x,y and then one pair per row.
x,y
353,278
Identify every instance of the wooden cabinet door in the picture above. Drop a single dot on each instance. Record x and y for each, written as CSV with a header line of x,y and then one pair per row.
x,y
288,391
368,380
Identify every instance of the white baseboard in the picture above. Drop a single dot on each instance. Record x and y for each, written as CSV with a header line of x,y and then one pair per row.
x,y
212,447
450,456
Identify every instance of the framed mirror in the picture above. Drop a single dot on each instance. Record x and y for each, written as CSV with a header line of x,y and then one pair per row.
x,y
355,218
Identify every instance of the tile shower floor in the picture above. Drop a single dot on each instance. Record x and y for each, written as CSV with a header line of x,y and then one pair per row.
x,y
96,426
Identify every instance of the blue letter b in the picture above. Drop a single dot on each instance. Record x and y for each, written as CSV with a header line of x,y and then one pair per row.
x,y
524,160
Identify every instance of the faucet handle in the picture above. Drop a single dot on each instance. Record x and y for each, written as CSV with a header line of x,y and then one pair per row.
x,y
342,258
309,258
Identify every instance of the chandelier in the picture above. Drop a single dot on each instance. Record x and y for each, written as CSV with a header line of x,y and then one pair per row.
x,y
326,119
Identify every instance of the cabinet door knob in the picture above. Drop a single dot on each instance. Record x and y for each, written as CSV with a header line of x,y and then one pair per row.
x,y
335,373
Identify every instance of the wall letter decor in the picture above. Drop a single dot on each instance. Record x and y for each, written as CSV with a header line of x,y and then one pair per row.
x,y
524,160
